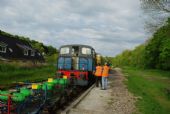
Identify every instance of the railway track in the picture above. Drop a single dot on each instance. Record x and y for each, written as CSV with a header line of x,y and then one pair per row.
x,y
66,103
76,101
59,101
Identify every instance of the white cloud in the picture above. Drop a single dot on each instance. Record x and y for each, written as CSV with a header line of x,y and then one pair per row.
x,y
110,26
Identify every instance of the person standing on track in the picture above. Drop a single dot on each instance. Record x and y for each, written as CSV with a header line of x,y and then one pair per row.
x,y
98,75
105,75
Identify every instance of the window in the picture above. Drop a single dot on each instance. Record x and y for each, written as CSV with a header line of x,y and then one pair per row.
x,y
39,54
32,53
2,49
86,51
65,50
75,50
10,50
26,52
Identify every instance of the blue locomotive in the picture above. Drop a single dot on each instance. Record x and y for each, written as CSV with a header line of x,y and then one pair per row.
x,y
78,62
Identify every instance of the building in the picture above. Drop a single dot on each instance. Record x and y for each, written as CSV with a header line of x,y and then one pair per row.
x,y
12,48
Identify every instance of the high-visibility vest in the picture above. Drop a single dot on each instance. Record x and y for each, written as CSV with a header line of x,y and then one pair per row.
x,y
105,72
98,71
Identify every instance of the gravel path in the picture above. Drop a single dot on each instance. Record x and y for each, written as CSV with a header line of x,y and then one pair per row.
x,y
123,102
115,100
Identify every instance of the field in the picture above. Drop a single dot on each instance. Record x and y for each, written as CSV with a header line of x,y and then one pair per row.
x,y
152,87
11,73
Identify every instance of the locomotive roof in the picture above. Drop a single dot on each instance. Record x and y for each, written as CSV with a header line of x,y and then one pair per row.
x,y
80,45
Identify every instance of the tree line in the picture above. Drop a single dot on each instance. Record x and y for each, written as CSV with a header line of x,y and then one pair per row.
x,y
154,53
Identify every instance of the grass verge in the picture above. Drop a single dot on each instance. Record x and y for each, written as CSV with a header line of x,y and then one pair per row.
x,y
12,74
152,86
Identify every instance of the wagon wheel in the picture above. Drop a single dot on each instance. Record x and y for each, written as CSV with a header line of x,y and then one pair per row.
x,y
68,95
63,99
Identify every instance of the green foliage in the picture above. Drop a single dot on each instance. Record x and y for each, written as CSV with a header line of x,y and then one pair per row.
x,y
51,50
51,59
158,49
38,46
132,58
150,86
153,54
12,73
107,60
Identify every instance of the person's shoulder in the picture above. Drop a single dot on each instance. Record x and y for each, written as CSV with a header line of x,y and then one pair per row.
x,y
105,66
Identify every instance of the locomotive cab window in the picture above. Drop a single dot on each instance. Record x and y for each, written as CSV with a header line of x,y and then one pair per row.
x,y
75,51
86,51
65,50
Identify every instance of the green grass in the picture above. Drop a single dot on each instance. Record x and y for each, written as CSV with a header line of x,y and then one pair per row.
x,y
11,73
151,86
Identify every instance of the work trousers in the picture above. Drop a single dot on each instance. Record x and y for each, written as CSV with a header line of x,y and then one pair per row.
x,y
98,80
104,82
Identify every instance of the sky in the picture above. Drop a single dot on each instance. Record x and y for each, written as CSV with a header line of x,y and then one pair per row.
x,y
109,26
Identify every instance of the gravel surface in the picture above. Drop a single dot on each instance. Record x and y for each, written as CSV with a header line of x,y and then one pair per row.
x,y
123,102
115,100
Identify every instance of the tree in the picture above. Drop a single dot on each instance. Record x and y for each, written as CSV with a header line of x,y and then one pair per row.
x,y
157,12
159,5
51,50
158,48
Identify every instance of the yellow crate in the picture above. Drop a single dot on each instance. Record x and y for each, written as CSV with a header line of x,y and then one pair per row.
x,y
50,79
64,77
34,86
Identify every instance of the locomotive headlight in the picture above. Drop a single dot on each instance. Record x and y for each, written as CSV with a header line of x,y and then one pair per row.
x,y
83,67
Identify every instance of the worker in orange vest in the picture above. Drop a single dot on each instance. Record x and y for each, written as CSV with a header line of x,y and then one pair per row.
x,y
98,75
105,75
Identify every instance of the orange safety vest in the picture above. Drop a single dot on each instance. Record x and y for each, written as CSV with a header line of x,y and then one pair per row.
x,y
98,71
105,71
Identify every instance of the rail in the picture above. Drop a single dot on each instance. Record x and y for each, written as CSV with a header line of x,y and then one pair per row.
x,y
77,101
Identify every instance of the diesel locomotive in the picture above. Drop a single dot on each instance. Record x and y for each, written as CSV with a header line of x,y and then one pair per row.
x,y
77,62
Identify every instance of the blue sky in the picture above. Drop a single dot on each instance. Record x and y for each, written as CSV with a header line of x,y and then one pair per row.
x,y
110,26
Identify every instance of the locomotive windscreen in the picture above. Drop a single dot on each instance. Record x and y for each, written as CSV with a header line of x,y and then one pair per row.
x,y
65,50
76,57
86,51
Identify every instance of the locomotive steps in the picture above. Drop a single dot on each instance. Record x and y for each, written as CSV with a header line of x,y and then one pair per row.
x,y
115,100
